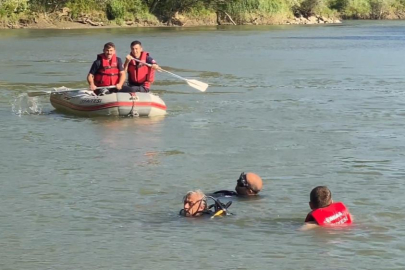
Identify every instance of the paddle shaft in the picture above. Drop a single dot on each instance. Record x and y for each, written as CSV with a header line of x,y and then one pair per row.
x,y
174,75
42,93
150,65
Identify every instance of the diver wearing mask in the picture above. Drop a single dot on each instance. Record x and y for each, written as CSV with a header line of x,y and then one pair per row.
x,y
248,184
195,205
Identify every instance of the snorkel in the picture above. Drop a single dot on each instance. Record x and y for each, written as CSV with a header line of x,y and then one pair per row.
x,y
245,187
187,212
242,181
220,209
216,209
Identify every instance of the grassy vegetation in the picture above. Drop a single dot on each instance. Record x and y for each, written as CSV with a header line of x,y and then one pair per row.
x,y
78,7
241,11
245,10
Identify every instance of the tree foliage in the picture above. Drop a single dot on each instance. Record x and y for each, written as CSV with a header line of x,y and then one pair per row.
x,y
165,9
47,5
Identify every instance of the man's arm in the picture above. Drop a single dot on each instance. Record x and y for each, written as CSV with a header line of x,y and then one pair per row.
x,y
150,60
121,75
90,80
309,225
90,77
128,59
122,80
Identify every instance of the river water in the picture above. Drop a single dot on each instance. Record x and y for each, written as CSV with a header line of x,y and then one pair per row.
x,y
301,106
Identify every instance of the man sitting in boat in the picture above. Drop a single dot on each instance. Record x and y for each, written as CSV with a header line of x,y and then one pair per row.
x,y
141,69
107,70
195,205
248,184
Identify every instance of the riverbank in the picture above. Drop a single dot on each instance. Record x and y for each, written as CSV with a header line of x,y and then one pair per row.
x,y
70,14
63,20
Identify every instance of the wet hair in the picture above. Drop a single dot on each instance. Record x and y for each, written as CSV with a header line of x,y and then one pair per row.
x,y
320,196
199,192
109,45
136,42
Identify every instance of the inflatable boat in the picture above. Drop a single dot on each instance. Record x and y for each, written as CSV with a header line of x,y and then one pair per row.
x,y
86,103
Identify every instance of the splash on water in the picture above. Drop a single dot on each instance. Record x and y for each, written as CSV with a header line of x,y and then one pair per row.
x,y
24,105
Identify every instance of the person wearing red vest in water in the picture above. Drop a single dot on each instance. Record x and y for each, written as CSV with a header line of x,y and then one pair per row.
x,y
325,212
107,70
141,69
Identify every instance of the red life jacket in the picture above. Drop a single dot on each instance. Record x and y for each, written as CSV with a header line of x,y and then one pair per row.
x,y
140,74
108,74
332,215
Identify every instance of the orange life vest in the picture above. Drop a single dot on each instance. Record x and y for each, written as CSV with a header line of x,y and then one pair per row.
x,y
139,73
332,215
108,73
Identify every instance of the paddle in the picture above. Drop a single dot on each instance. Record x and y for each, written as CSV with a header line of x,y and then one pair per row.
x,y
43,93
201,86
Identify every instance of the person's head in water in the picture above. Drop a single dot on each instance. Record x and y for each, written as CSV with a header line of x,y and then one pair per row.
x,y
320,197
109,50
195,203
248,184
136,48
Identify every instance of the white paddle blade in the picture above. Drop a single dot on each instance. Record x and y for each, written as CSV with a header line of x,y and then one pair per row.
x,y
198,85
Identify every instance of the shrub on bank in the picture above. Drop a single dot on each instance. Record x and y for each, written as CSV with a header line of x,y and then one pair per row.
x,y
243,10
11,7
115,10
79,7
369,9
235,11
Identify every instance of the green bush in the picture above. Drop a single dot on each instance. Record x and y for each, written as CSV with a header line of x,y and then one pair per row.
x,y
273,7
240,10
199,10
115,10
135,6
10,7
357,9
338,5
380,8
46,5
309,8
83,6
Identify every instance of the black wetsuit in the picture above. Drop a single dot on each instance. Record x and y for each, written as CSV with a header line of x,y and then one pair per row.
x,y
212,209
224,193
205,213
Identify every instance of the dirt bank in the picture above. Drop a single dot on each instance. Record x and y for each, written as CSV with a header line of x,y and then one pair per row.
x,y
63,20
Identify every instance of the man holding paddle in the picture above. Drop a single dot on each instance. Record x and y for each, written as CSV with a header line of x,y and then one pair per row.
x,y
107,70
141,69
